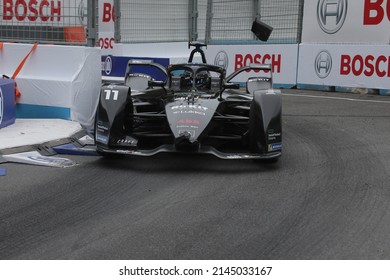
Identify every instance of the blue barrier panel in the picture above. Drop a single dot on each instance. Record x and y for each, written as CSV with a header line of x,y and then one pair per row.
x,y
7,102
29,111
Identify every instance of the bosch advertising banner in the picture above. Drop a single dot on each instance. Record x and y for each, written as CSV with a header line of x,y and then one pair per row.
x,y
344,65
106,38
51,16
346,21
283,59
43,12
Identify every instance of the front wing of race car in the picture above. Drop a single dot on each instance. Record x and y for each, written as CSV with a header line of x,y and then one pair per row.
x,y
202,150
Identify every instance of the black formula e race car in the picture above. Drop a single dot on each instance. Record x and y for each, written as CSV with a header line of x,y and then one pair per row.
x,y
195,108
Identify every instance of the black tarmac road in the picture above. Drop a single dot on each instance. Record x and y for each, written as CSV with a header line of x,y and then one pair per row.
x,y
327,198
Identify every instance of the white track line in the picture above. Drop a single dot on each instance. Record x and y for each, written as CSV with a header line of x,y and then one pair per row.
x,y
337,98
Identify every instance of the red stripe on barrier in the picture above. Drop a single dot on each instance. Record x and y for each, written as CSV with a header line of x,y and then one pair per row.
x,y
19,68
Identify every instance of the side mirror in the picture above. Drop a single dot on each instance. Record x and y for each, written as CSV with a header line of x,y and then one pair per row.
x,y
156,83
231,86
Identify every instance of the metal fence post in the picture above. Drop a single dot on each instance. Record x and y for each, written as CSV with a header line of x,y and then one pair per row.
x,y
300,21
257,9
256,12
209,19
193,20
92,29
117,24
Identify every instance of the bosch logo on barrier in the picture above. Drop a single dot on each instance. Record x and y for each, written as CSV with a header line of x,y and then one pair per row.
x,y
323,64
331,14
106,43
82,13
107,65
31,10
108,12
243,60
1,106
368,65
222,59
374,11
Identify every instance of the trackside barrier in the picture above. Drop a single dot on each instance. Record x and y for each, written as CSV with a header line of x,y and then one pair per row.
x,y
56,82
7,104
345,46
284,58
341,67
345,67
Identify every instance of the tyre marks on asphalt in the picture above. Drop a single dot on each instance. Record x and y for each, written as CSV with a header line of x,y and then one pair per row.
x,y
340,205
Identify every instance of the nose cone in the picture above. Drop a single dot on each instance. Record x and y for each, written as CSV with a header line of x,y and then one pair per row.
x,y
188,120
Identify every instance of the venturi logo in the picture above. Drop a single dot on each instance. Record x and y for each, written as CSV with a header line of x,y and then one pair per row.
x,y
331,14
221,59
323,64
1,106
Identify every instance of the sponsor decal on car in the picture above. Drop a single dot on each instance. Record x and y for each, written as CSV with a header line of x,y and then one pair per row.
x,y
274,147
189,109
272,136
102,139
237,156
189,112
188,121
197,107
127,141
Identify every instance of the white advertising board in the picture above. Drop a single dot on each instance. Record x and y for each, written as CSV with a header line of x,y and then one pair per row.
x,y
283,58
56,81
178,52
344,65
346,21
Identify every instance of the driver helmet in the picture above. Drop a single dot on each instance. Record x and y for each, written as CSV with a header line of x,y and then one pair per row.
x,y
203,80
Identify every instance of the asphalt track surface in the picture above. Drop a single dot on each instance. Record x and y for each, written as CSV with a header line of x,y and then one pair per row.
x,y
327,198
